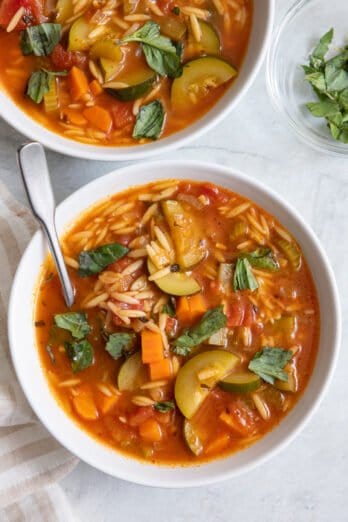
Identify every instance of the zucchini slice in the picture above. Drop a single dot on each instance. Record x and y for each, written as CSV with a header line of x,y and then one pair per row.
x,y
292,252
173,28
198,78
175,283
132,373
190,392
240,382
192,439
138,83
210,41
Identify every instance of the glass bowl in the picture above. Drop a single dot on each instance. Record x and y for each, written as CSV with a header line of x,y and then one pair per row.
x,y
294,39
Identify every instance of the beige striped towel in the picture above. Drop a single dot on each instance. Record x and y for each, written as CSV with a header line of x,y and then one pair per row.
x,y
31,461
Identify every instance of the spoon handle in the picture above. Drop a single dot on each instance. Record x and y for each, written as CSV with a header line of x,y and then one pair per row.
x,y
36,178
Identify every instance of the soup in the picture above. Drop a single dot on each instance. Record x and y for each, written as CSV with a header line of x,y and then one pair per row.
x,y
195,327
120,72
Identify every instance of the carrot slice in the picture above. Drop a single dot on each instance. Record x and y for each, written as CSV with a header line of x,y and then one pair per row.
x,y
78,83
75,117
151,347
95,88
150,431
99,117
161,370
197,306
84,403
183,309
106,404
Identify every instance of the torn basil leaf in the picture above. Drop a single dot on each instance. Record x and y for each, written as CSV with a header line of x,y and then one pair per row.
x,y
263,258
319,52
41,39
39,84
120,344
80,354
243,277
149,121
164,406
168,309
159,51
75,322
210,323
94,261
269,362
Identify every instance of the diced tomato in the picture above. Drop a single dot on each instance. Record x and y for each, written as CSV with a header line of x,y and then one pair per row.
x,y
141,414
120,265
33,13
164,418
243,418
249,315
235,311
213,193
165,6
64,60
122,114
171,326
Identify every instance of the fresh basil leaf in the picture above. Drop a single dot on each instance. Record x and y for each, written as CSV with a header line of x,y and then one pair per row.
x,y
321,49
209,324
164,406
323,109
335,131
336,79
39,83
41,39
75,322
80,354
243,277
149,121
94,261
343,136
343,99
160,52
269,362
162,62
120,344
263,258
317,80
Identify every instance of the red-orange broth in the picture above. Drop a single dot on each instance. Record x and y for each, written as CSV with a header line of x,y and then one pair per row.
x,y
217,229
102,84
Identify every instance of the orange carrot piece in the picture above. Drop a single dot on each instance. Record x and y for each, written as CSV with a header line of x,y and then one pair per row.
x,y
84,403
161,370
150,431
197,306
106,404
74,117
151,347
183,309
95,88
78,83
219,444
99,117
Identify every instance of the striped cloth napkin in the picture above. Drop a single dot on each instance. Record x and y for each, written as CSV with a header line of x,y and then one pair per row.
x,y
31,461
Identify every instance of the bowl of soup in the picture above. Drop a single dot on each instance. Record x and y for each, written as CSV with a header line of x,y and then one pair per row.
x,y
195,347
125,79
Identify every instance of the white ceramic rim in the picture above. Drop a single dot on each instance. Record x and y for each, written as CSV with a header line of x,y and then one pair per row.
x,y
251,65
313,140
269,445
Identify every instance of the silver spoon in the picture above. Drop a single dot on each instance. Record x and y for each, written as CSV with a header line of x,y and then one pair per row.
x,y
37,183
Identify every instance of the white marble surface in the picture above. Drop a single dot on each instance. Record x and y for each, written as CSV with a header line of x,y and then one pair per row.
x,y
308,481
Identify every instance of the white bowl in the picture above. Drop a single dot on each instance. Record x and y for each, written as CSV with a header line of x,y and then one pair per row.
x,y
27,364
260,36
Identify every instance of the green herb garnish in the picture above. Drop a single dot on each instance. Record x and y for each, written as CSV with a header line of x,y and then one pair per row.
x,y
210,323
160,52
262,258
120,344
168,309
149,121
39,83
75,322
41,39
80,354
176,10
269,362
243,277
329,80
164,406
94,261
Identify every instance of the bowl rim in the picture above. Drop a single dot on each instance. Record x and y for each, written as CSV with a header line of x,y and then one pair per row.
x,y
260,190
316,142
34,130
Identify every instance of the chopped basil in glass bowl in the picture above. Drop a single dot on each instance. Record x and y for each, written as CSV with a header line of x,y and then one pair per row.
x,y
295,39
